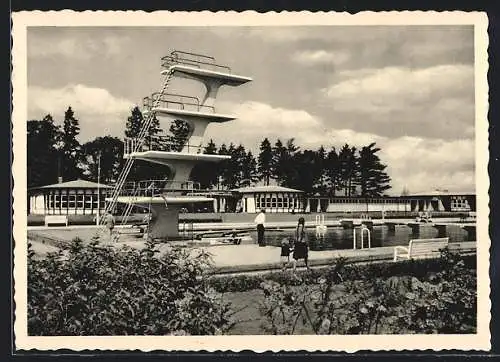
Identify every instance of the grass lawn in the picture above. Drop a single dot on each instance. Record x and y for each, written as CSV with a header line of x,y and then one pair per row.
x,y
246,306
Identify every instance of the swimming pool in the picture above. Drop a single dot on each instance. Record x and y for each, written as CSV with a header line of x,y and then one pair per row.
x,y
339,238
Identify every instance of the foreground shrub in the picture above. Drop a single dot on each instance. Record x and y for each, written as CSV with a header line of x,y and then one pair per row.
x,y
441,302
417,268
95,290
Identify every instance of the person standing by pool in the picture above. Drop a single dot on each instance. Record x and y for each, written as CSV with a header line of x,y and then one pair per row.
x,y
301,250
260,221
109,220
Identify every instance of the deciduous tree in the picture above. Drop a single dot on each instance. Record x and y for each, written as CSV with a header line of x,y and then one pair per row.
x,y
110,151
42,154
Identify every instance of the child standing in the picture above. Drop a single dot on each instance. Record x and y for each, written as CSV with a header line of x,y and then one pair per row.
x,y
285,253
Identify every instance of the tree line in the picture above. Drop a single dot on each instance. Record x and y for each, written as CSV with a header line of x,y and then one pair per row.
x,y
347,171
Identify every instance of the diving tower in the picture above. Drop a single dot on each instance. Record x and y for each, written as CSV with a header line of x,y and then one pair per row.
x,y
182,156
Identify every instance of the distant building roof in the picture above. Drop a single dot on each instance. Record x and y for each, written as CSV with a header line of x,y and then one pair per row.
x,y
441,193
76,184
250,189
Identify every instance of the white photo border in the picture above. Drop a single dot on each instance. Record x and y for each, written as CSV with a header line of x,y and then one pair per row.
x,y
66,18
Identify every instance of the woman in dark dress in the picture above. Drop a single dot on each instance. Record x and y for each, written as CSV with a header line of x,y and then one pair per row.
x,y
301,250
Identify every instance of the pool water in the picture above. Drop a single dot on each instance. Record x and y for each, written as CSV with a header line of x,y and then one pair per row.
x,y
339,238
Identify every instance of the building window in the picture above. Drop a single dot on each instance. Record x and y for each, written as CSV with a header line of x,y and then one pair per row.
x,y
80,200
459,203
64,201
72,201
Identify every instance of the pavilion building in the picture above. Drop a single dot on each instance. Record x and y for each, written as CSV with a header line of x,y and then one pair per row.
x,y
78,197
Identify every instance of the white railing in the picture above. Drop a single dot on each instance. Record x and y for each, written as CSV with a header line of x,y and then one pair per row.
x,y
194,60
159,143
175,101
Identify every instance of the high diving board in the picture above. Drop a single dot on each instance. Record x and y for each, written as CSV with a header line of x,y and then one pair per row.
x,y
210,117
209,75
180,156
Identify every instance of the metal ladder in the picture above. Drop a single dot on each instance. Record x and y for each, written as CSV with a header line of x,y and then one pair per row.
x,y
126,213
137,147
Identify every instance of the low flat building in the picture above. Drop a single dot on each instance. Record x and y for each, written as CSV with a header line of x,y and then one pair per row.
x,y
273,199
443,200
78,197
357,204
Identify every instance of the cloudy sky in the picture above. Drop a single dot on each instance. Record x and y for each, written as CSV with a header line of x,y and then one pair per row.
x,y
410,89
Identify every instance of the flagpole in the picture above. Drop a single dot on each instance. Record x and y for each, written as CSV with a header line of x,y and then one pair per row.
x,y
98,190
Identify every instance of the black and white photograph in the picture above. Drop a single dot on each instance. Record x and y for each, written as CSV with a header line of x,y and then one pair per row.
x,y
246,181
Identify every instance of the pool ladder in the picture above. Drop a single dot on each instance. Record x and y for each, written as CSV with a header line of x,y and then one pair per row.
x,y
364,229
321,228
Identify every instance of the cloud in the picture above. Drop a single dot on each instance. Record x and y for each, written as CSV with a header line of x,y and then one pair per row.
x,y
396,87
426,164
257,120
287,34
75,47
314,57
98,110
418,163
433,102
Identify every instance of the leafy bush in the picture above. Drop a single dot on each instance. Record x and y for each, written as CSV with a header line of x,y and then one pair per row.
x,y
96,290
440,302
416,268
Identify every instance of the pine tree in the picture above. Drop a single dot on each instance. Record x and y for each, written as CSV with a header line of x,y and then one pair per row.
x,y
348,169
373,179
222,166
288,168
332,171
230,168
278,162
210,148
320,175
180,131
43,139
301,173
264,163
70,147
207,173
143,170
248,169
135,123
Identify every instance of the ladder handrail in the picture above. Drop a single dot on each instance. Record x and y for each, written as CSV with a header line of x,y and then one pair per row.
x,y
160,147
175,52
168,60
183,105
154,94
128,164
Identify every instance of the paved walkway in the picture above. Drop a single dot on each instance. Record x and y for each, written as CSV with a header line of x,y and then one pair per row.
x,y
248,258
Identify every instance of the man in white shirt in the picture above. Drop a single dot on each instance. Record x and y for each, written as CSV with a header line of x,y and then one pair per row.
x,y
260,220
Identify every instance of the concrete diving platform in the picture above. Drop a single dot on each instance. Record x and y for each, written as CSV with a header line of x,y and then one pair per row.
x,y
167,156
469,228
192,115
222,76
164,222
